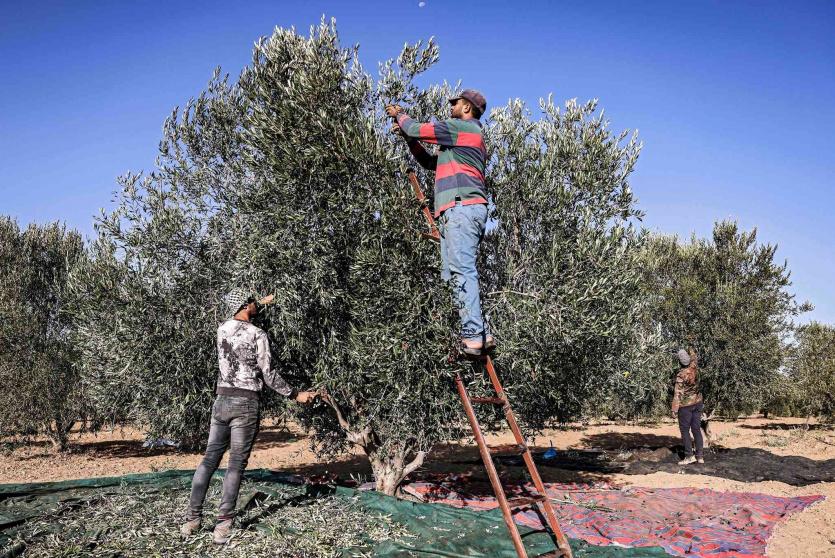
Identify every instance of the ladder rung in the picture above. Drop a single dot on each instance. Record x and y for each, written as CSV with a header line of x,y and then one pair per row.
x,y
551,554
518,449
525,502
490,400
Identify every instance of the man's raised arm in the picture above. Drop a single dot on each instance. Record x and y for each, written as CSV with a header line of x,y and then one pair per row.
x,y
430,132
273,379
421,155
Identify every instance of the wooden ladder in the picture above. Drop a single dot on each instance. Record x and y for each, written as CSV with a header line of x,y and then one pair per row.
x,y
540,500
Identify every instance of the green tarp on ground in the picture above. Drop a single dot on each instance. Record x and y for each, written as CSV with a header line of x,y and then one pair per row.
x,y
440,530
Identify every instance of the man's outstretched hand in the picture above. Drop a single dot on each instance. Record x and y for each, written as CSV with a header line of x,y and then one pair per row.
x,y
396,129
305,397
393,110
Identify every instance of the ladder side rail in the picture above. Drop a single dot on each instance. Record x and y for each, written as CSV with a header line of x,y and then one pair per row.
x,y
434,233
491,468
550,516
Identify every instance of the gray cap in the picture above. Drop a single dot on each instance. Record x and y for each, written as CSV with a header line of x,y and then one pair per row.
x,y
683,357
234,300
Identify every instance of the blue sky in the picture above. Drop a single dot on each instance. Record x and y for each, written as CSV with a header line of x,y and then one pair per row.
x,y
735,101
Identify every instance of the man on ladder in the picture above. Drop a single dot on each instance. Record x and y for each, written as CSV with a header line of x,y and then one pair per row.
x,y
461,209
460,202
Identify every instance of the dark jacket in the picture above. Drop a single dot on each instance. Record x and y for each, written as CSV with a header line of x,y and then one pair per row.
x,y
688,391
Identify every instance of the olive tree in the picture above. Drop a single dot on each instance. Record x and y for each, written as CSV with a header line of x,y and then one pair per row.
x,y
289,181
811,370
38,364
363,309
728,300
332,229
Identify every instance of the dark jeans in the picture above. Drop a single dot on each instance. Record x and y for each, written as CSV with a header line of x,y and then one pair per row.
x,y
234,426
690,419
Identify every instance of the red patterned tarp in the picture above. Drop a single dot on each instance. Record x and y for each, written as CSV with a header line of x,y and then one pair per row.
x,y
683,521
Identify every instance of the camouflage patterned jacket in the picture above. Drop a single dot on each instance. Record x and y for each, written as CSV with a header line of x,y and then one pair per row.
x,y
243,353
687,391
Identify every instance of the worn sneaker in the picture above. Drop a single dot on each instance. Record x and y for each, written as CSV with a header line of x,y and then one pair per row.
x,y
190,527
700,460
222,532
687,460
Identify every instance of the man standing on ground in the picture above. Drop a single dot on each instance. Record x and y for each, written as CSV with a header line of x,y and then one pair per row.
x,y
688,406
244,362
460,202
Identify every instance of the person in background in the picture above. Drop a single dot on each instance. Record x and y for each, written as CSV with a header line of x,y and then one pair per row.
x,y
244,362
688,406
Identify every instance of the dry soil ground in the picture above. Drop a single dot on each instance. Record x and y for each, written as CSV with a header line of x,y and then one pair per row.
x,y
807,534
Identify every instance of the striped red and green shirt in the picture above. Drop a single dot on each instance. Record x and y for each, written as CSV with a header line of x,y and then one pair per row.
x,y
460,163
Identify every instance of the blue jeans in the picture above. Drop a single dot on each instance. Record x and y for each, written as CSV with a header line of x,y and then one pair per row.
x,y
234,426
462,228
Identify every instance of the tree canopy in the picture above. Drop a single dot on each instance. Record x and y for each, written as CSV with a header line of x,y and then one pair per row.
x,y
288,181
38,361
727,299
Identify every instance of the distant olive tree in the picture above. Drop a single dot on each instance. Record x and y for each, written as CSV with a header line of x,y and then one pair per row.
x,y
811,370
41,390
728,300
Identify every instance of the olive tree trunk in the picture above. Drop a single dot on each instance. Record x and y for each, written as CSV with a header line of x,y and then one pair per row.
x,y
390,462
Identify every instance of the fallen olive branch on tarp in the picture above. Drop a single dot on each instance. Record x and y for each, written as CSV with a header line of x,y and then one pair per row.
x,y
144,521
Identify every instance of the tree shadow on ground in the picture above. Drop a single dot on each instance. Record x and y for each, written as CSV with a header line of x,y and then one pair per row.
x,y
740,464
106,449
626,441
623,453
343,468
9,445
268,437
576,466
275,437
783,426
444,460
